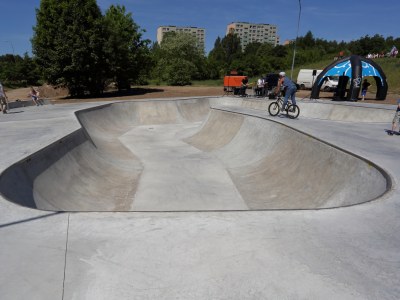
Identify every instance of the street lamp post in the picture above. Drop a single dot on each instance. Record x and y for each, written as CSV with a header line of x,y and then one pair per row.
x,y
295,42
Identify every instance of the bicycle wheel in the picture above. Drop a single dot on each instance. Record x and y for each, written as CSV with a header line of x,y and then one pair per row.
x,y
293,111
273,108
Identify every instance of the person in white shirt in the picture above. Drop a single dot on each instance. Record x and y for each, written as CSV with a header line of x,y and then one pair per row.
x,y
260,87
3,99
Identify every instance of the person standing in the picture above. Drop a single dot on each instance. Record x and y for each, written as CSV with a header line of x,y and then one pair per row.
x,y
34,95
364,89
289,87
243,87
3,99
396,119
260,87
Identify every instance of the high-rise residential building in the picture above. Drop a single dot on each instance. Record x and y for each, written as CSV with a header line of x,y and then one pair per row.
x,y
198,33
250,32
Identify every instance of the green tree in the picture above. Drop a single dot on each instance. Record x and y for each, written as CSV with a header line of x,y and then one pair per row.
x,y
216,60
368,44
68,44
126,52
218,52
177,71
232,47
266,53
306,41
226,55
179,60
251,59
17,71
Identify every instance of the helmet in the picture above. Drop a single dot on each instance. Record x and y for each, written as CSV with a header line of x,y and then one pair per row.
x,y
282,74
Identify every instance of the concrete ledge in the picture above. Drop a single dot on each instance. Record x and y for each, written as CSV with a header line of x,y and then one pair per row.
x,y
25,103
335,111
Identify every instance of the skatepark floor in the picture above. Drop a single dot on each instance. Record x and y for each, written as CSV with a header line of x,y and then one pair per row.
x,y
199,198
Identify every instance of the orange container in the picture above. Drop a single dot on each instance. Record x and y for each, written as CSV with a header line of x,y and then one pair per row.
x,y
233,81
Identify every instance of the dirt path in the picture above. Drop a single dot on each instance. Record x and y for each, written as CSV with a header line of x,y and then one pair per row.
x,y
149,92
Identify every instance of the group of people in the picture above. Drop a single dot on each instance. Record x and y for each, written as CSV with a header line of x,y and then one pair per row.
x,y
393,53
289,87
283,84
375,55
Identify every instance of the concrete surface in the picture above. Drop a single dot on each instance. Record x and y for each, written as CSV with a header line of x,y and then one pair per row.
x,y
153,151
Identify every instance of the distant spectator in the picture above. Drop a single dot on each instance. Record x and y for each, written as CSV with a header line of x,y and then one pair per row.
x,y
364,89
396,119
34,94
260,87
3,99
394,52
244,87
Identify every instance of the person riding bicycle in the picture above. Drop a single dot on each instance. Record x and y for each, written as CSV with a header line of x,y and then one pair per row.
x,y
290,89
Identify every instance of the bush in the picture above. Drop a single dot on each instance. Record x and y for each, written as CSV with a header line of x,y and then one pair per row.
x,y
178,72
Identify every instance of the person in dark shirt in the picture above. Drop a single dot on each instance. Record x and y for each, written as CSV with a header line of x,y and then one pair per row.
x,y
364,89
243,87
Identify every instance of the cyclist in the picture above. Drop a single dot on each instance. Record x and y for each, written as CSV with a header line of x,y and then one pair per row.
x,y
290,89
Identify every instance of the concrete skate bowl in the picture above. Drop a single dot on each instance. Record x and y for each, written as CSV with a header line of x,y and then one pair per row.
x,y
182,155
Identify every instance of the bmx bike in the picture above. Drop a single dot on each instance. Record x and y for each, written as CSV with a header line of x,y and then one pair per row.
x,y
292,110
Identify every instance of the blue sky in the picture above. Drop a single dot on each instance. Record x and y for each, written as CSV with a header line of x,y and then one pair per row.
x,y
331,20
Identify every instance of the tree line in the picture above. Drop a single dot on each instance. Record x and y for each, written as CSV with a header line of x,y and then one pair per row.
x,y
77,46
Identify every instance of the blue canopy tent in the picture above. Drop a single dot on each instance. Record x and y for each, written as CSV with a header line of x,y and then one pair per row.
x,y
352,68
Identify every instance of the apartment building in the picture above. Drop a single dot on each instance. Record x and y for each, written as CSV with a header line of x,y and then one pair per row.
x,y
250,32
198,33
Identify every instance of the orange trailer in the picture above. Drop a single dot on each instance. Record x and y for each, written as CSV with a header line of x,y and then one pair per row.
x,y
232,82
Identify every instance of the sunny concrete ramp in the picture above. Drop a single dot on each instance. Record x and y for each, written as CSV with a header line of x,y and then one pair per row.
x,y
184,156
276,167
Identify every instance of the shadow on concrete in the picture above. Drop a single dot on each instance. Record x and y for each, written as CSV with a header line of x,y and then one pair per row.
x,y
114,94
29,219
14,112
